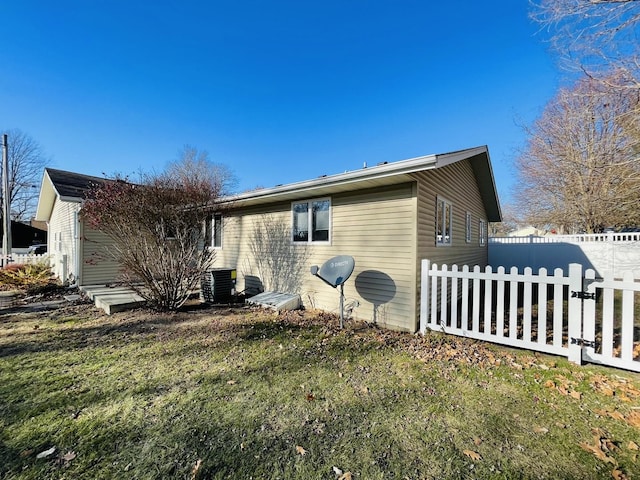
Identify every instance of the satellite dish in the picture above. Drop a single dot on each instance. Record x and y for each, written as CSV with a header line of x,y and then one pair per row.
x,y
335,272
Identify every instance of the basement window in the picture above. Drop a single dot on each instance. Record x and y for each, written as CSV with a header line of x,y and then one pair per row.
x,y
311,221
443,222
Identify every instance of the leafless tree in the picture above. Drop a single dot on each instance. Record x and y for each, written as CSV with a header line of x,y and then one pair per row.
x,y
156,227
580,169
511,220
595,36
26,161
194,165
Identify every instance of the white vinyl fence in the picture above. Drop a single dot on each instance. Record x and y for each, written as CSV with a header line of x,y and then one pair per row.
x,y
577,315
609,254
21,258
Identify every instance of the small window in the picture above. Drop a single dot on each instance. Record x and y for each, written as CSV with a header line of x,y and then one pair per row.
x,y
482,232
311,221
213,231
467,236
443,222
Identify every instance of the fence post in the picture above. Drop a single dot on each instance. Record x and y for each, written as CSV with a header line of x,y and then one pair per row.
x,y
424,296
575,314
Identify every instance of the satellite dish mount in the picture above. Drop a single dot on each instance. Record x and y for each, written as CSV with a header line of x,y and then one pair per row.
x,y
335,272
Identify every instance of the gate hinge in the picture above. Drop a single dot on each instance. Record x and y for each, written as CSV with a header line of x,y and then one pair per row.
x,y
583,343
583,295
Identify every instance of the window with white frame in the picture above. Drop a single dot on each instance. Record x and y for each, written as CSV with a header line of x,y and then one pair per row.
x,y
482,233
213,231
467,235
311,221
443,222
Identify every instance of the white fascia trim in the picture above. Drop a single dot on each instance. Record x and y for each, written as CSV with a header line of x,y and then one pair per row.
x,y
369,173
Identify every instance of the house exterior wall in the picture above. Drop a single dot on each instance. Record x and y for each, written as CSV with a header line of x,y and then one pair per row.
x,y
375,226
457,184
97,267
61,241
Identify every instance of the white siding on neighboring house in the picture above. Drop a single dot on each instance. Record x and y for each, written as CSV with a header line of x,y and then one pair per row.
x,y
62,246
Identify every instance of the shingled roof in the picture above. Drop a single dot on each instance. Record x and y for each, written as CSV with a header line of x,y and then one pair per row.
x,y
64,186
72,185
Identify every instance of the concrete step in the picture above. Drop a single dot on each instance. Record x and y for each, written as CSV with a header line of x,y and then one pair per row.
x,y
113,299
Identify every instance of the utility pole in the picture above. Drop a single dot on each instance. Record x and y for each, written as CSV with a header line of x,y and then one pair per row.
x,y
6,204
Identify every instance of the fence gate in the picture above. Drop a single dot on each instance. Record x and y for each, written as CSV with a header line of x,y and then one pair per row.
x,y
577,315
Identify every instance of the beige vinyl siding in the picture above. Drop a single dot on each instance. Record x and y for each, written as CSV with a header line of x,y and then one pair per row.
x,y
457,184
375,226
97,267
61,241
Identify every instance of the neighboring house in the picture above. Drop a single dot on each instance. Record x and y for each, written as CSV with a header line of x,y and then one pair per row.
x,y
23,235
526,231
388,217
76,251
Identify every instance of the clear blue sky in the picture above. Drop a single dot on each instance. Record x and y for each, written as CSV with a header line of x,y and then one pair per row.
x,y
279,91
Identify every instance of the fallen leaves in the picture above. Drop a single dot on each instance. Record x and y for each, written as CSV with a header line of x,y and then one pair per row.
x,y
342,475
564,386
600,446
618,475
632,419
300,450
475,456
619,387
67,457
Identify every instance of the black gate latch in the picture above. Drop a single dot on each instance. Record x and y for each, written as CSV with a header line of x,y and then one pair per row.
x,y
583,343
583,295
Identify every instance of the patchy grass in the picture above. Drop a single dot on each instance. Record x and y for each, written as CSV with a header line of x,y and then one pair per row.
x,y
214,394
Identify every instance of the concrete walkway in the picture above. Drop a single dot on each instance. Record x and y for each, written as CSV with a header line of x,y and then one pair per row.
x,y
112,299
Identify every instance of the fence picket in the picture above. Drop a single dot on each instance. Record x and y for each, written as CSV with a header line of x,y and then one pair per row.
x,y
607,322
454,297
526,302
500,304
542,306
444,301
513,305
434,295
626,339
589,311
558,306
464,311
488,299
475,309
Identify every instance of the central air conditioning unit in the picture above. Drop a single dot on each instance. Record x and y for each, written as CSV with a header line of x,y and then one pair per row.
x,y
218,285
